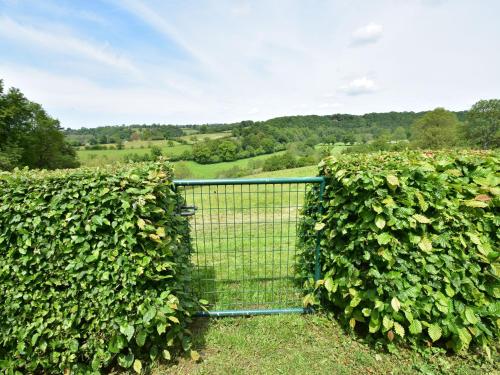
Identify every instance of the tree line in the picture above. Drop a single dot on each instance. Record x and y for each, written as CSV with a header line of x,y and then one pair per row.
x,y
30,137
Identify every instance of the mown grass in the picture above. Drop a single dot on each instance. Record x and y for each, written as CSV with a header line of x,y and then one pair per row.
x,y
213,170
303,344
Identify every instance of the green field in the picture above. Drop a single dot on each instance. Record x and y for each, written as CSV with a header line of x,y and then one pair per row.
x,y
197,137
212,170
187,169
95,158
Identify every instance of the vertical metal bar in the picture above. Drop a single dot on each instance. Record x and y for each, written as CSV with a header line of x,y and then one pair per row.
x,y
258,242
281,246
235,235
250,233
272,250
212,260
317,265
265,245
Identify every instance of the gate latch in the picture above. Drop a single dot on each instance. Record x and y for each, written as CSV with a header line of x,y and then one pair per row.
x,y
188,210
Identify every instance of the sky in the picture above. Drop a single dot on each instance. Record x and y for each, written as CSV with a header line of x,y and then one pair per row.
x,y
110,62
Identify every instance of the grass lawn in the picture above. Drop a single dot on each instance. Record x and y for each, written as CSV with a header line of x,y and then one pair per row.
x,y
212,170
302,344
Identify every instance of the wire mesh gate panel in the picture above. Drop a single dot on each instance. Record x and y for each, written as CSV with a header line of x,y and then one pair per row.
x,y
244,234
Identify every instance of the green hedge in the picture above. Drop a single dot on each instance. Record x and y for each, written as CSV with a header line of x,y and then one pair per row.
x,y
410,246
93,269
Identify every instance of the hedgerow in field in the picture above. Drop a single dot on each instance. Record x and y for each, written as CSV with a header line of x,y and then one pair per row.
x,y
410,246
93,268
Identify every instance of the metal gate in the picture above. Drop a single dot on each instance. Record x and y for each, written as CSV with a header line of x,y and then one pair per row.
x,y
244,234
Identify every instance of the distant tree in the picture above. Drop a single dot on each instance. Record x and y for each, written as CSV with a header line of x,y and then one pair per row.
x,y
399,134
201,153
119,145
267,145
29,136
227,150
483,124
155,152
436,129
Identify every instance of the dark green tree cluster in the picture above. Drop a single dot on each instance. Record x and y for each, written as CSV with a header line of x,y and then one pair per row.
x,y
440,128
483,124
116,134
229,149
29,137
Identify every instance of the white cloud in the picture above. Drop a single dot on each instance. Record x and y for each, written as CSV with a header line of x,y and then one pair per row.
x,y
63,43
209,62
367,34
359,86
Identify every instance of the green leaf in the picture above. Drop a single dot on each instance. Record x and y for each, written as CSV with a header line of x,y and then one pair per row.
x,y
425,244
396,305
166,355
421,219
141,224
330,285
464,336
174,319
380,222
149,315
475,204
140,338
366,311
73,346
384,238
125,360
435,332
387,323
392,181
117,343
319,226
137,366
415,327
471,316
127,330
355,301
399,329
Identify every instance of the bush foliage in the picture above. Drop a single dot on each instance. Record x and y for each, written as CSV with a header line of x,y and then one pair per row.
x,y
409,246
93,269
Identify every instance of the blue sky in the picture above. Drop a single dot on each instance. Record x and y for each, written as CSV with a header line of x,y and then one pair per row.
x,y
92,63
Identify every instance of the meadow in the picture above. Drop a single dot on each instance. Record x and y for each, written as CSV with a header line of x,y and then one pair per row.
x,y
96,158
189,168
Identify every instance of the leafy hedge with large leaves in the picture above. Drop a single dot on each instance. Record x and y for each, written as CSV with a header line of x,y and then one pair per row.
x,y
94,265
410,246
